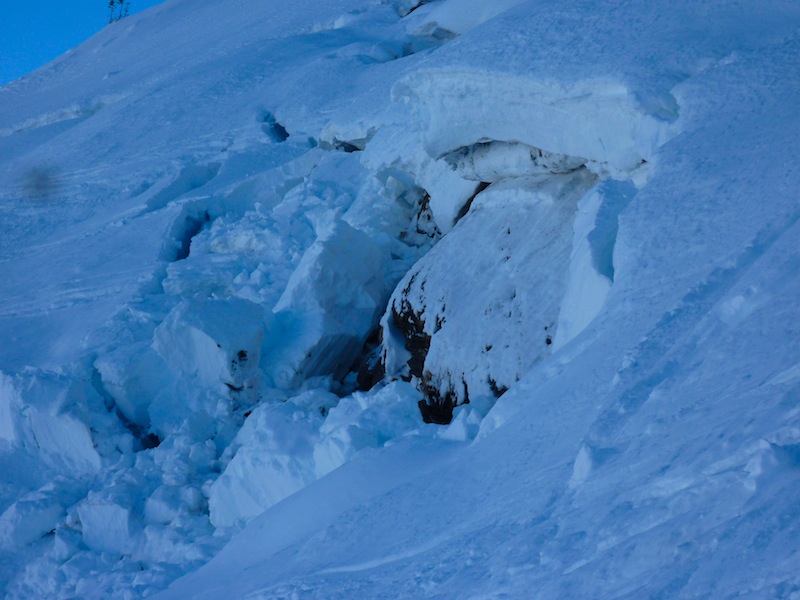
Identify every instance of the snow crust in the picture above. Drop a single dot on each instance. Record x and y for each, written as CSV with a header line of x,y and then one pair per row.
x,y
240,273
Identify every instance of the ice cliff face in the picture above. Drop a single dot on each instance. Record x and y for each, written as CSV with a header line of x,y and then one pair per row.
x,y
307,265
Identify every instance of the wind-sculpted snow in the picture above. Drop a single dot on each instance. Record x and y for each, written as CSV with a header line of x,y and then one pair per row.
x,y
403,299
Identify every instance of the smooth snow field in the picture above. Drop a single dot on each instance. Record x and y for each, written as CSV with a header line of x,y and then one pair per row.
x,y
405,299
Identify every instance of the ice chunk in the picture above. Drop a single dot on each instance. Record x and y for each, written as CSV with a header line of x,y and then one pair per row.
x,y
163,505
133,375
49,426
366,420
107,525
212,342
274,458
330,304
30,518
449,191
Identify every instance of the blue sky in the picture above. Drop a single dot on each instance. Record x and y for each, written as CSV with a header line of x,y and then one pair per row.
x,y
34,32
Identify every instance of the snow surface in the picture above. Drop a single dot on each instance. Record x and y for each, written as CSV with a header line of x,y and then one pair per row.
x,y
570,231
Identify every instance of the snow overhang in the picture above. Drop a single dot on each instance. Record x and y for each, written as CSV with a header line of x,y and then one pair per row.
x,y
599,119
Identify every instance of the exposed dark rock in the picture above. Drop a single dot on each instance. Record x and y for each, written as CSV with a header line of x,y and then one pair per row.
x,y
438,405
424,222
369,367
412,326
497,390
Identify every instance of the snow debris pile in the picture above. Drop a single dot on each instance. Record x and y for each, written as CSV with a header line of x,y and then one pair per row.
x,y
314,279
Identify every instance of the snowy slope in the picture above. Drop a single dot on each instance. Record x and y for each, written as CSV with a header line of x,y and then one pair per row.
x,y
569,234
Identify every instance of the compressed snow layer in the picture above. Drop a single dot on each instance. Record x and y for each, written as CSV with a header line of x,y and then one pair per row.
x,y
595,119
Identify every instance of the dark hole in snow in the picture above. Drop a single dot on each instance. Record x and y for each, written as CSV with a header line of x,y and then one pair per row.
x,y
41,182
369,367
465,209
241,355
371,372
192,226
343,145
346,146
375,337
404,11
273,130
151,440
234,388
548,340
439,413
146,440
